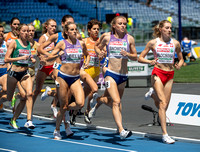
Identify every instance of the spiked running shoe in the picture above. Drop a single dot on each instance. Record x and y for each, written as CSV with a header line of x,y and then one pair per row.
x,y
168,140
68,132
13,124
87,119
29,125
93,101
147,96
45,93
92,112
57,135
125,134
55,111
14,99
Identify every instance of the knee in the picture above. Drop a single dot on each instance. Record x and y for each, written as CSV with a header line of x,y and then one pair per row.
x,y
83,76
116,103
63,109
163,105
80,105
29,94
22,96
95,89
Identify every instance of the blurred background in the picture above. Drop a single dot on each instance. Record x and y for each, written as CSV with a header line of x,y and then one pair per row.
x,y
142,15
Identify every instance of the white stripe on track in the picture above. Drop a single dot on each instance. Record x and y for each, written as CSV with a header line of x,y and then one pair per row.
x,y
141,134
8,150
84,144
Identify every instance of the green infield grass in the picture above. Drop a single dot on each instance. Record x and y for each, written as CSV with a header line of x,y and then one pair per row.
x,y
189,73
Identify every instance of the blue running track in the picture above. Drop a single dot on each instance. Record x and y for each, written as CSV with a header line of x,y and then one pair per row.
x,y
84,140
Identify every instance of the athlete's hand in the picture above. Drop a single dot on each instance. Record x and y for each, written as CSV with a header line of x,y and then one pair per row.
x,y
124,53
42,60
33,60
85,66
177,66
153,62
61,53
25,57
101,55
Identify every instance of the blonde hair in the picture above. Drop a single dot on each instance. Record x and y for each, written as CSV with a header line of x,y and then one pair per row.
x,y
113,22
156,28
45,24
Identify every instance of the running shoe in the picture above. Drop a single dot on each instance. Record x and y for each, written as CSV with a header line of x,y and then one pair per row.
x,y
93,101
125,134
87,119
168,140
45,93
14,99
67,117
117,131
13,124
29,124
68,131
55,111
149,93
92,112
57,135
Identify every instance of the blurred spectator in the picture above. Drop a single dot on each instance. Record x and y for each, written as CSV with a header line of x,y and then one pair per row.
x,y
188,51
37,24
129,24
170,19
82,33
148,3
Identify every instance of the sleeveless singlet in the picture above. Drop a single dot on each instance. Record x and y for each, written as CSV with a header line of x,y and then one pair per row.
x,y
50,45
3,50
72,53
94,60
21,51
165,52
60,38
116,45
9,37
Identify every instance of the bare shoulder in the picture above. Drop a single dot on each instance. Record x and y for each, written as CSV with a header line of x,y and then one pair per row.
x,y
53,37
106,36
5,35
12,44
131,38
42,39
176,42
82,42
152,42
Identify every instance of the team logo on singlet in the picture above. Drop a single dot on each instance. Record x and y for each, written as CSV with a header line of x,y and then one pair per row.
x,y
23,52
165,53
50,46
2,55
116,47
73,55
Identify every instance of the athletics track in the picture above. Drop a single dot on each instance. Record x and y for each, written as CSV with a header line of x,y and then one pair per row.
x,y
84,140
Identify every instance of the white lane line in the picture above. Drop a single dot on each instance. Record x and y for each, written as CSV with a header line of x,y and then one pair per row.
x,y
7,150
73,142
141,134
